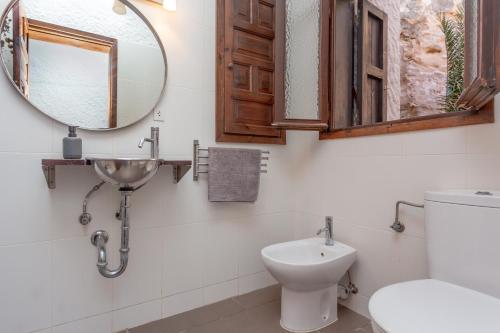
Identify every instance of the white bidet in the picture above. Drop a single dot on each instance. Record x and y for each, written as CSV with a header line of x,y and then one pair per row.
x,y
309,272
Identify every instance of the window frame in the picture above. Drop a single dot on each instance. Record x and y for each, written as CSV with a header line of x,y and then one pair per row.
x,y
53,33
488,78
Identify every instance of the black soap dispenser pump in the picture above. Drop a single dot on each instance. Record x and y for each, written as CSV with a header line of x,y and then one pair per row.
x,y
72,145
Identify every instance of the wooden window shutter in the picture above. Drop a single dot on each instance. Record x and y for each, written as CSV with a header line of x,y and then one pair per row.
x,y
248,47
486,84
372,65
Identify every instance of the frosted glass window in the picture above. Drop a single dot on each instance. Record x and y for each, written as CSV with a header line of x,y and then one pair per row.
x,y
302,59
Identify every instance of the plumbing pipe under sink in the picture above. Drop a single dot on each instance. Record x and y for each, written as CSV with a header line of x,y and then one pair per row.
x,y
100,238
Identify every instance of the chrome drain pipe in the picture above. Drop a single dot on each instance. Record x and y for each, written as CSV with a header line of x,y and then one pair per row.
x,y
101,237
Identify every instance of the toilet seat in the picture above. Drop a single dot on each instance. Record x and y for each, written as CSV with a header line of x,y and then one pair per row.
x,y
433,306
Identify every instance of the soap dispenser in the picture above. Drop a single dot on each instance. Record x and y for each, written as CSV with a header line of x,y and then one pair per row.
x,y
72,145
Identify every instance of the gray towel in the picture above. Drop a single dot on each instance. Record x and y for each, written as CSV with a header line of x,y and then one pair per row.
x,y
233,174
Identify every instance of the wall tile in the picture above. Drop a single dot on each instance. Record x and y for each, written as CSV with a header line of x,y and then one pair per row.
x,y
440,141
257,232
380,145
136,315
359,303
24,129
97,324
65,203
79,290
25,288
185,44
249,283
481,139
220,292
180,303
93,143
377,259
182,259
141,281
190,102
220,260
482,171
412,258
126,141
25,203
44,331
424,173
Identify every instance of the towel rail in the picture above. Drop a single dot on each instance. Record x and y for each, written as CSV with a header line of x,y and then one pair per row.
x,y
197,156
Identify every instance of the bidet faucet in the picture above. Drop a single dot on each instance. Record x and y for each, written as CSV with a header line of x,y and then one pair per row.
x,y
155,142
328,230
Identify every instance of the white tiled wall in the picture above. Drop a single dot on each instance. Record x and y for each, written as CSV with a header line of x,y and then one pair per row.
x,y
185,251
359,180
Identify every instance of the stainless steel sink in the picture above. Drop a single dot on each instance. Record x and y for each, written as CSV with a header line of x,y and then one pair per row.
x,y
126,173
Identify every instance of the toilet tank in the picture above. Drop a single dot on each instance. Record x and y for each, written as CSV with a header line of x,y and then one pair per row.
x,y
462,231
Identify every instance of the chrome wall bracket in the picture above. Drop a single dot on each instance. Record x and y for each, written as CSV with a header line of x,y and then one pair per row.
x,y
397,226
180,171
49,169
50,176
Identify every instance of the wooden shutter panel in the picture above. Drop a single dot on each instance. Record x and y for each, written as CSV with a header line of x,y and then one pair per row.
x,y
247,76
372,52
486,85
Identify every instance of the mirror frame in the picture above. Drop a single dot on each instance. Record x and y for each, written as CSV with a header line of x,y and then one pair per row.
x,y
130,6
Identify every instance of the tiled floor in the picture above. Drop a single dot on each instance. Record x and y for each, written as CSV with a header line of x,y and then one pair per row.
x,y
257,312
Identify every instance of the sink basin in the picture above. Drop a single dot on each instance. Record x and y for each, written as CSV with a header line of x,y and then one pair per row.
x,y
126,173
309,272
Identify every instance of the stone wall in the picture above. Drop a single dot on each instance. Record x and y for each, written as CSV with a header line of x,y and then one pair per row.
x,y
423,56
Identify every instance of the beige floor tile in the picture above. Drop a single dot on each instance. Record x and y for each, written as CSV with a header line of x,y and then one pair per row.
x,y
257,312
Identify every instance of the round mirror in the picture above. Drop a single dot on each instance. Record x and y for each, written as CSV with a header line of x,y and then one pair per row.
x,y
96,64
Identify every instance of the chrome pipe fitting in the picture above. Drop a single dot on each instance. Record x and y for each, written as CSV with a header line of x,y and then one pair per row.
x,y
85,218
397,226
100,238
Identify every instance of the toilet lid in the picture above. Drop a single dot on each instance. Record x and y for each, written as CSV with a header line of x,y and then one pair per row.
x,y
433,306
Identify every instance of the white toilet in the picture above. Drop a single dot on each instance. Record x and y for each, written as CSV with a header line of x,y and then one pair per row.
x,y
309,272
463,249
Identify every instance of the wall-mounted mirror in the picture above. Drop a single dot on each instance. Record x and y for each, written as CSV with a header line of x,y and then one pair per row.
x,y
96,64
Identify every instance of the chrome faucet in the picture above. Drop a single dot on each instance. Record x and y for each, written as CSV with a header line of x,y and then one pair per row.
x,y
328,230
155,142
